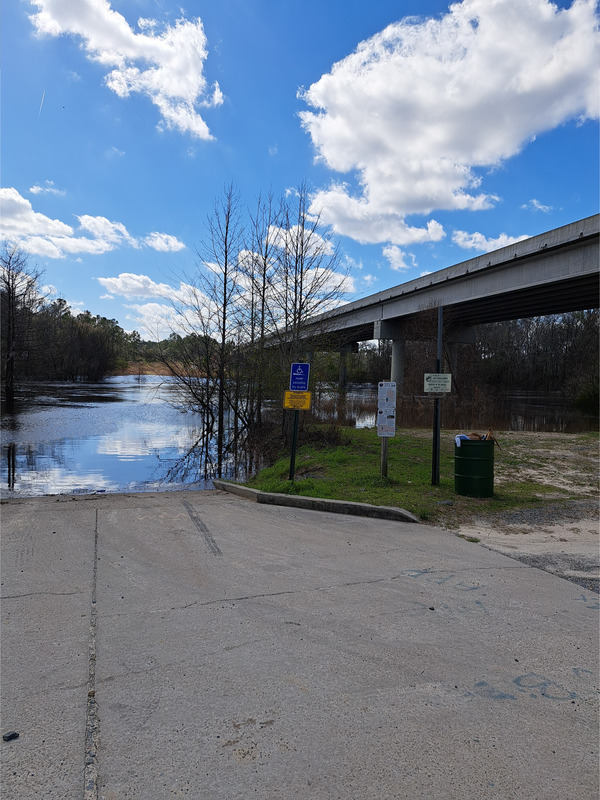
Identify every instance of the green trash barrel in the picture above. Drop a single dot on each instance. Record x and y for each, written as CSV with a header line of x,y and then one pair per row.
x,y
474,468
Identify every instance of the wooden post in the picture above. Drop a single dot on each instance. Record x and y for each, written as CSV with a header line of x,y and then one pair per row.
x,y
384,456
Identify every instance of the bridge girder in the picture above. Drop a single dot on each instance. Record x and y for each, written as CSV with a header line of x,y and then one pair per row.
x,y
553,273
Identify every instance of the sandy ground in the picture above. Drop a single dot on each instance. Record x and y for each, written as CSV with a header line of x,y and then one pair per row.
x,y
564,538
569,548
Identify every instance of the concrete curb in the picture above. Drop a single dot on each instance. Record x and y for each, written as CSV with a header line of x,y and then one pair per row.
x,y
317,503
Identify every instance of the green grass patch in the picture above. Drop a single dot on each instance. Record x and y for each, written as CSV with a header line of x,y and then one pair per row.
x,y
350,470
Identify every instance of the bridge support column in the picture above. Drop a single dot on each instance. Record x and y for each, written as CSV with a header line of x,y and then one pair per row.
x,y
349,347
397,369
453,340
343,373
384,329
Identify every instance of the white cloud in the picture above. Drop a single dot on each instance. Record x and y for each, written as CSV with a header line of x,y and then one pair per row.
x,y
535,205
40,235
397,258
156,320
351,263
318,250
477,241
109,233
17,218
424,104
62,246
113,152
329,281
163,242
179,310
360,219
76,307
163,63
128,284
48,188
289,238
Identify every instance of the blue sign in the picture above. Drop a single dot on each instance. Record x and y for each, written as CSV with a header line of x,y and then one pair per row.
x,y
299,377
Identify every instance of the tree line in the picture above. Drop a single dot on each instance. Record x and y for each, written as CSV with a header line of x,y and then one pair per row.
x,y
237,325
552,353
43,340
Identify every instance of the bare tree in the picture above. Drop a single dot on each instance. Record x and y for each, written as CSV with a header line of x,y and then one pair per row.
x,y
221,283
246,305
260,268
308,282
207,320
20,298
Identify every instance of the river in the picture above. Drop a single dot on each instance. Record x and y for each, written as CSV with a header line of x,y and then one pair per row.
x,y
125,433
119,435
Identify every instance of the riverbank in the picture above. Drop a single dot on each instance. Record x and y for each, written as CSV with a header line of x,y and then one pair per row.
x,y
531,471
143,368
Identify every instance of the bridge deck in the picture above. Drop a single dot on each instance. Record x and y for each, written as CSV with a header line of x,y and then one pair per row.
x,y
552,273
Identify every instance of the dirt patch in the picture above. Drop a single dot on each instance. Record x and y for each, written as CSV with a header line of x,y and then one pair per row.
x,y
562,537
144,368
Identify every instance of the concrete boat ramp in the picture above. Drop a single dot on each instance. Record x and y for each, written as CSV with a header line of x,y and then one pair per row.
x,y
198,645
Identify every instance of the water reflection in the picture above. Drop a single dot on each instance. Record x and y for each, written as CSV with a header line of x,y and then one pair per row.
x,y
515,411
127,434
11,465
121,435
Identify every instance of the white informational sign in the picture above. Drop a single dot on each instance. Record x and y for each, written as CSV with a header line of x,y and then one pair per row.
x,y
438,382
386,408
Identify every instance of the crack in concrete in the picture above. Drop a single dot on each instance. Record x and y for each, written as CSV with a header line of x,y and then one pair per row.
x,y
34,594
92,722
428,572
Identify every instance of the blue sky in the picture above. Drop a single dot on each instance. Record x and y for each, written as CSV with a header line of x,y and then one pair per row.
x,y
427,133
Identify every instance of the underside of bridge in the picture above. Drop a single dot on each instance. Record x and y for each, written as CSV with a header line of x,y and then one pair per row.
x,y
554,273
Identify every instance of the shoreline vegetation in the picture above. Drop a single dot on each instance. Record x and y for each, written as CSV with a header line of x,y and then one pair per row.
x,y
554,473
143,368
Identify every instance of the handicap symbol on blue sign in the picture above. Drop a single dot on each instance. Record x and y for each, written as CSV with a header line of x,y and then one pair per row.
x,y
299,377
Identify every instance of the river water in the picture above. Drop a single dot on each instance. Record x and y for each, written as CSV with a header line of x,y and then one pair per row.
x,y
126,433
119,435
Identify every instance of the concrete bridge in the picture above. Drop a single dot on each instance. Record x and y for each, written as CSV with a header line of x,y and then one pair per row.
x,y
552,273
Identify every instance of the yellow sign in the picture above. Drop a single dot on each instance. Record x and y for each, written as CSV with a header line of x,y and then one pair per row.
x,y
298,401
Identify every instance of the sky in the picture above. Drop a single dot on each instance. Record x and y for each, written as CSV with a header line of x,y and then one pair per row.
x,y
426,133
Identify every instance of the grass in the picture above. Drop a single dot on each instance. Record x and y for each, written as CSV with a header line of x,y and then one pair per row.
x,y
350,470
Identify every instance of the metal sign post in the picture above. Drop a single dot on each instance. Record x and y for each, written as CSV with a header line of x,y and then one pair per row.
x,y
435,458
297,398
441,383
294,443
